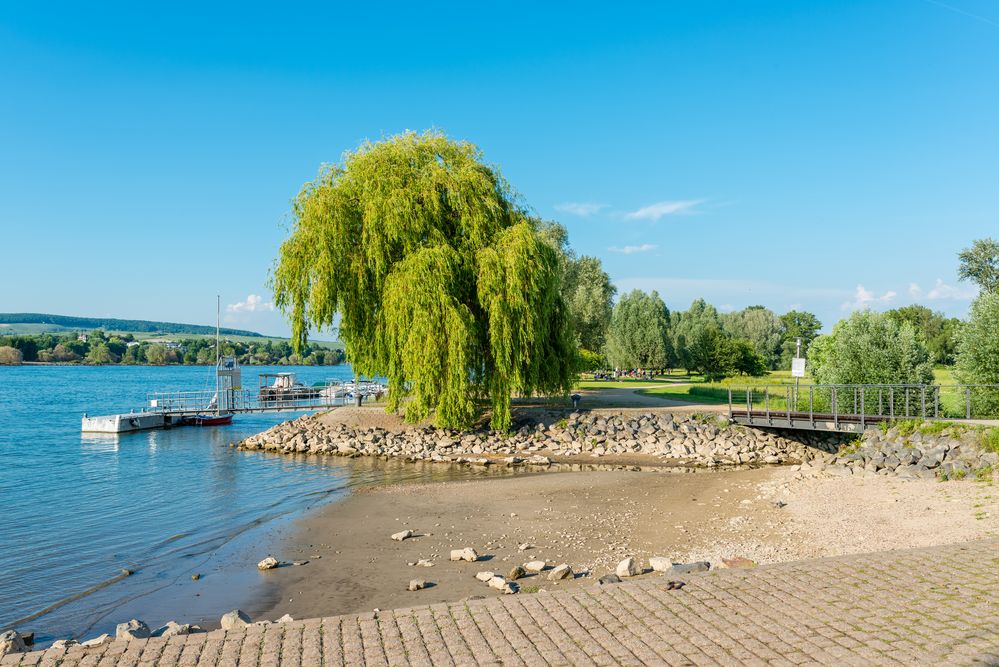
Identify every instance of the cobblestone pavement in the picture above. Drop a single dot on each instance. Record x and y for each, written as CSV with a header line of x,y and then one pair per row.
x,y
924,606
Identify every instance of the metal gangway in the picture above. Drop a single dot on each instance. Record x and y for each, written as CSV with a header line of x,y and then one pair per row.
x,y
293,398
852,408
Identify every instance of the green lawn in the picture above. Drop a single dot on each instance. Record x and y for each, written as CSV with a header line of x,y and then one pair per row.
x,y
586,381
695,389
712,394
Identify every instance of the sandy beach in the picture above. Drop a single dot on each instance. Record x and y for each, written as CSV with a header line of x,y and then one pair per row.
x,y
593,519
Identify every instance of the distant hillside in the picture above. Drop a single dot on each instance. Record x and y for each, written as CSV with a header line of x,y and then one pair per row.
x,y
111,324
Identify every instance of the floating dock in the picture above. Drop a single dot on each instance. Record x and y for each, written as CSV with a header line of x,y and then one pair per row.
x,y
131,421
278,392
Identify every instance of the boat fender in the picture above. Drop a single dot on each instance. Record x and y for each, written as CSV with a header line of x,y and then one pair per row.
x,y
133,421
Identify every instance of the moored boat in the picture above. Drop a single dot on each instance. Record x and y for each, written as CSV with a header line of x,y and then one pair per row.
x,y
210,420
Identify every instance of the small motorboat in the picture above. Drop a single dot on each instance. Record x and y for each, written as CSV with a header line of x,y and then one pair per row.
x,y
284,387
210,420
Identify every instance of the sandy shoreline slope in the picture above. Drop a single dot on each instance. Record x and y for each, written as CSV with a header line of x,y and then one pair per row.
x,y
591,520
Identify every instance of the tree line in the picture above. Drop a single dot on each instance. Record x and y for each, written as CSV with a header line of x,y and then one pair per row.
x,y
101,348
113,324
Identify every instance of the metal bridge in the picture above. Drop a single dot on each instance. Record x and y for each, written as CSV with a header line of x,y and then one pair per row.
x,y
852,408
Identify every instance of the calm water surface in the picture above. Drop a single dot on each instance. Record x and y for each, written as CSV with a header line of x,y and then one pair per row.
x,y
78,508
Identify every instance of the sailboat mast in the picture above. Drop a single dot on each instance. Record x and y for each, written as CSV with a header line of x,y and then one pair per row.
x,y
218,349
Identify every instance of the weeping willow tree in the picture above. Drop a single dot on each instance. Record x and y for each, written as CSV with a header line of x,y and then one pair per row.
x,y
441,283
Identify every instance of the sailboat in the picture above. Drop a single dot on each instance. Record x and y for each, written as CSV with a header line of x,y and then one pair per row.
x,y
214,415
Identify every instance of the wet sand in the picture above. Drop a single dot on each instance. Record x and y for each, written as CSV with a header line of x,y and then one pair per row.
x,y
590,520
593,519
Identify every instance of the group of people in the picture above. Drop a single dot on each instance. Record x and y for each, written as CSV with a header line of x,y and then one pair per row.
x,y
635,373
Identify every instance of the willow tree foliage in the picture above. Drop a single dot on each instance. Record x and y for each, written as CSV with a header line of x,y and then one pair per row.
x,y
440,282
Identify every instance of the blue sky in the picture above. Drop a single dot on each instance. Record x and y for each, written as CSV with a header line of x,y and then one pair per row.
x,y
821,155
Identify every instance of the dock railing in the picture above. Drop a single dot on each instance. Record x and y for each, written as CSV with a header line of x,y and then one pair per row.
x,y
244,401
861,404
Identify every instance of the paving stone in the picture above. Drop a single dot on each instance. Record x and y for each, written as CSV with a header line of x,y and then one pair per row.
x,y
922,606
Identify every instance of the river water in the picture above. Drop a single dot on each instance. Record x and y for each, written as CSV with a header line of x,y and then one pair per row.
x,y
77,509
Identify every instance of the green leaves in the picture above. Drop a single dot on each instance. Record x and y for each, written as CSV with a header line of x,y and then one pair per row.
x,y
639,332
870,348
980,264
439,281
978,351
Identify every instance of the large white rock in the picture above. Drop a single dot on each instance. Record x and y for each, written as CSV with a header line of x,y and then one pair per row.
x,y
287,618
563,571
417,584
97,641
660,564
535,566
468,553
485,576
497,582
268,563
172,629
134,629
235,620
402,535
11,642
628,568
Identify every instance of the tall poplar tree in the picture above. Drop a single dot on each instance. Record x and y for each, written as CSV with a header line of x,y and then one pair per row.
x,y
440,281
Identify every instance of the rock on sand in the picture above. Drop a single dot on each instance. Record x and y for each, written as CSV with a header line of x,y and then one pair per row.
x,y
268,563
660,564
535,566
235,620
628,568
563,571
468,553
134,629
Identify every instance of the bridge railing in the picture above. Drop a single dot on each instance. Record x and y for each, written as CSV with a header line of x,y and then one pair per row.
x,y
243,400
865,402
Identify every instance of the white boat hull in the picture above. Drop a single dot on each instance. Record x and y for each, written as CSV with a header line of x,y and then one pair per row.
x,y
134,421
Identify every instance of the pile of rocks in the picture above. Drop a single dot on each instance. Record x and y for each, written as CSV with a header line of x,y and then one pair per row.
x,y
925,452
687,439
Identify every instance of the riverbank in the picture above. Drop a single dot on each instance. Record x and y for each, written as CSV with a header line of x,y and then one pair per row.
x,y
592,520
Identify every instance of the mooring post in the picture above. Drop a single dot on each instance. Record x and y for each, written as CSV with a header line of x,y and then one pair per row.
x,y
863,422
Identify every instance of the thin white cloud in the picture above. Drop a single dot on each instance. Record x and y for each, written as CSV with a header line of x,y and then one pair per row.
x,y
632,249
724,289
944,291
582,209
915,291
864,298
660,209
254,303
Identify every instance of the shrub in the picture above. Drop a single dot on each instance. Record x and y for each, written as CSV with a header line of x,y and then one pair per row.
x,y
10,356
871,348
978,354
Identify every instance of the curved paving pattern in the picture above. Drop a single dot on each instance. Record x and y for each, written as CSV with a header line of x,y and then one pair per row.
x,y
924,606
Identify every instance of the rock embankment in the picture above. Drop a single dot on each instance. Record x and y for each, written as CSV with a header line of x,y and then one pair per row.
x,y
925,451
683,439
